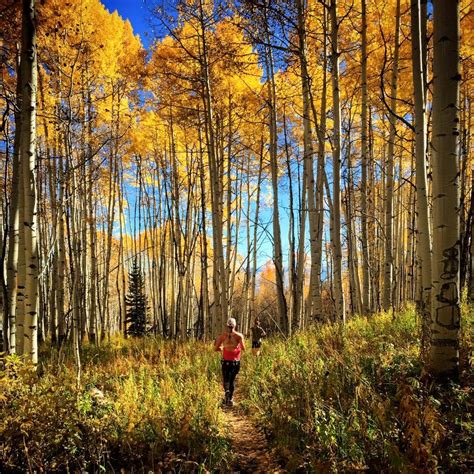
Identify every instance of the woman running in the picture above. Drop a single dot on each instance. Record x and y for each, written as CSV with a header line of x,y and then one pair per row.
x,y
230,343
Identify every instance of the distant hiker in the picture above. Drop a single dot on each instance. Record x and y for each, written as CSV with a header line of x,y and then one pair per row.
x,y
257,334
230,343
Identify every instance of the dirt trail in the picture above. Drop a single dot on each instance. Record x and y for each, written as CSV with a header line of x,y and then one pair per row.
x,y
251,450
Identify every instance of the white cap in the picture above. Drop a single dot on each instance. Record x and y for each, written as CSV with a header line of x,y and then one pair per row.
x,y
231,323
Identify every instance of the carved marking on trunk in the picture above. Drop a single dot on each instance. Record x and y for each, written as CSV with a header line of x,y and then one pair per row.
x,y
445,343
450,263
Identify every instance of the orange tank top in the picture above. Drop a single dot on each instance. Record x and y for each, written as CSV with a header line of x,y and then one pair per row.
x,y
232,354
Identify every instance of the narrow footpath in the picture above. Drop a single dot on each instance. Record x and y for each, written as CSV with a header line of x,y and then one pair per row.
x,y
249,445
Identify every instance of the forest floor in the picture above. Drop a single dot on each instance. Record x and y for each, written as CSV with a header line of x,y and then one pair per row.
x,y
248,443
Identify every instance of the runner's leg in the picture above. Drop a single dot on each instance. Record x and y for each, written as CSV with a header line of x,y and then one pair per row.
x,y
226,378
234,371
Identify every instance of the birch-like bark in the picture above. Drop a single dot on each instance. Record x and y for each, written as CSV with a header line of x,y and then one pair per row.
x,y
314,297
388,257
253,278
423,234
220,292
49,289
277,248
364,158
352,257
273,148
72,218
321,134
61,263
21,272
443,361
294,294
336,198
14,225
92,258
373,227
246,289
28,166
206,325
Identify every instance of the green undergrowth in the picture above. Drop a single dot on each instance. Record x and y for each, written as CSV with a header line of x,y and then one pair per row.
x,y
331,399
351,398
141,405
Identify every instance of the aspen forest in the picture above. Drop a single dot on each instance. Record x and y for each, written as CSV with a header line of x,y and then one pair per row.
x,y
303,167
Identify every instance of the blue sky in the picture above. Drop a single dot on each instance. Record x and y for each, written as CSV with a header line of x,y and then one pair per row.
x,y
135,11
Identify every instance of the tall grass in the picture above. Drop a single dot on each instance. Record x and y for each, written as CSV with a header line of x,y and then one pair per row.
x,y
350,398
333,398
140,403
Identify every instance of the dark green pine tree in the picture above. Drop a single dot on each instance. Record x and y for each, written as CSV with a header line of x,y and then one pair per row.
x,y
136,302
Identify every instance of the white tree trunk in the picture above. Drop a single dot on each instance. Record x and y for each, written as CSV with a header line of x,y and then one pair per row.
x,y
388,259
445,312
336,218
423,245
14,228
273,149
28,165
220,307
314,296
364,159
